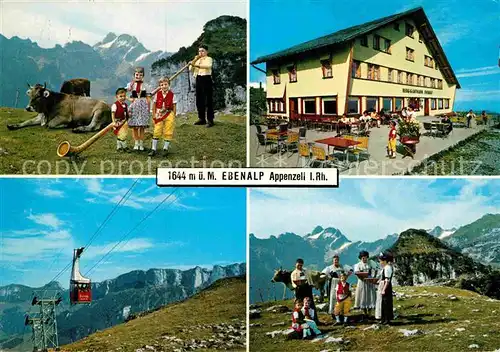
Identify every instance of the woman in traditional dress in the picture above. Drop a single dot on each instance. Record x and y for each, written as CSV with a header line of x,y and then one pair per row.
x,y
333,273
365,291
384,306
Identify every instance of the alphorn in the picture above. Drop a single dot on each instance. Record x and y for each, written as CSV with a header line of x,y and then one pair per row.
x,y
66,149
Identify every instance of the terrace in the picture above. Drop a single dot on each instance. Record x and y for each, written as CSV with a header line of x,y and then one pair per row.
x,y
360,151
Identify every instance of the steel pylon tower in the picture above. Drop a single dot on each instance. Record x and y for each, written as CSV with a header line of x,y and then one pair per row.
x,y
43,323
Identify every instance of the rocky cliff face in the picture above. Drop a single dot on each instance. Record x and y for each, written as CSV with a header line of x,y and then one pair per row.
x,y
480,239
225,37
114,300
421,257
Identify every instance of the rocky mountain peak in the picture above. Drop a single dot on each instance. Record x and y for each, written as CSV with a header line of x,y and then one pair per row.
x,y
441,233
222,22
109,37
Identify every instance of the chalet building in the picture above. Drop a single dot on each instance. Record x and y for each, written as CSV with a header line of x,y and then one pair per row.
x,y
388,63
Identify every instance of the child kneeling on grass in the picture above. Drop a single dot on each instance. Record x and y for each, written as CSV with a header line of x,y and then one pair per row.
x,y
309,328
343,305
163,116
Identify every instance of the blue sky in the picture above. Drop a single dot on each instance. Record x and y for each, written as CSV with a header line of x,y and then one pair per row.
x,y
42,220
367,209
157,24
468,30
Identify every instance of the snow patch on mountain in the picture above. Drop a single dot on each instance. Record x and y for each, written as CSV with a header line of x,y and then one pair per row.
x,y
143,56
344,246
108,45
446,233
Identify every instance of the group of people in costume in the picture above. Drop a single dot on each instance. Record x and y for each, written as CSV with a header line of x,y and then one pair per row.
x,y
159,105
370,294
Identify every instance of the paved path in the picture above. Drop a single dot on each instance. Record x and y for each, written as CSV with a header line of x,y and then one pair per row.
x,y
378,163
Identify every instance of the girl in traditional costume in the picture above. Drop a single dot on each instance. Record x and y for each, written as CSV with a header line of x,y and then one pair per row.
x,y
139,109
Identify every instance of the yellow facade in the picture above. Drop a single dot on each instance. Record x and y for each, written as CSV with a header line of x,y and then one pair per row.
x,y
312,86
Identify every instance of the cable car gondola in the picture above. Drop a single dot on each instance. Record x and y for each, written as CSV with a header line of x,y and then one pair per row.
x,y
79,286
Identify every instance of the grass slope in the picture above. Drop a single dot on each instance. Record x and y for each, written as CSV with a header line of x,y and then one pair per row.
x,y
476,155
34,148
425,308
223,302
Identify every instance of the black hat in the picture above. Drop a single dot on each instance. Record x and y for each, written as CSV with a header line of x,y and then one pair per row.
x,y
300,261
386,256
363,254
203,46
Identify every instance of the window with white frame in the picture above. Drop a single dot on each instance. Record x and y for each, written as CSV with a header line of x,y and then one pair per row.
x,y
372,104
309,106
329,106
353,105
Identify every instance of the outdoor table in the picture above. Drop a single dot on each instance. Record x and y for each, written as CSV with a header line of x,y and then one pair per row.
x,y
340,143
410,146
278,136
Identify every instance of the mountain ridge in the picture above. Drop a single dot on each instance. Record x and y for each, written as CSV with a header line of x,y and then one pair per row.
x,y
268,254
114,300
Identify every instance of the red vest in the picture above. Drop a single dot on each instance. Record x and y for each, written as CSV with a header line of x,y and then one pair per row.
x,y
121,110
121,114
342,290
166,103
392,133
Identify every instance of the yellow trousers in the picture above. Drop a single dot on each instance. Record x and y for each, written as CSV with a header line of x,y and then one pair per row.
x,y
343,308
392,145
123,132
165,128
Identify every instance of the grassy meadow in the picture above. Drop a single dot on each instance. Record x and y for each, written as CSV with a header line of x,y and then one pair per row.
x,y
439,320
32,150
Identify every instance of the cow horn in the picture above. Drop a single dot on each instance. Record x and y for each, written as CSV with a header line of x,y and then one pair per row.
x,y
29,85
44,85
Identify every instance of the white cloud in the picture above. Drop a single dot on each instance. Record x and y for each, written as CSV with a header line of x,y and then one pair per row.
x,y
477,95
47,219
53,193
37,246
159,25
93,185
394,206
480,71
152,195
134,245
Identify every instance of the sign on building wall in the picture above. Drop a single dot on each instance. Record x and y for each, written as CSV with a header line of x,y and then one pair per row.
x,y
418,91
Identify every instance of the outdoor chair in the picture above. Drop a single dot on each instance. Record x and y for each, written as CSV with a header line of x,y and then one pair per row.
x,y
430,128
362,148
283,128
320,156
304,155
441,129
302,134
292,140
264,141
